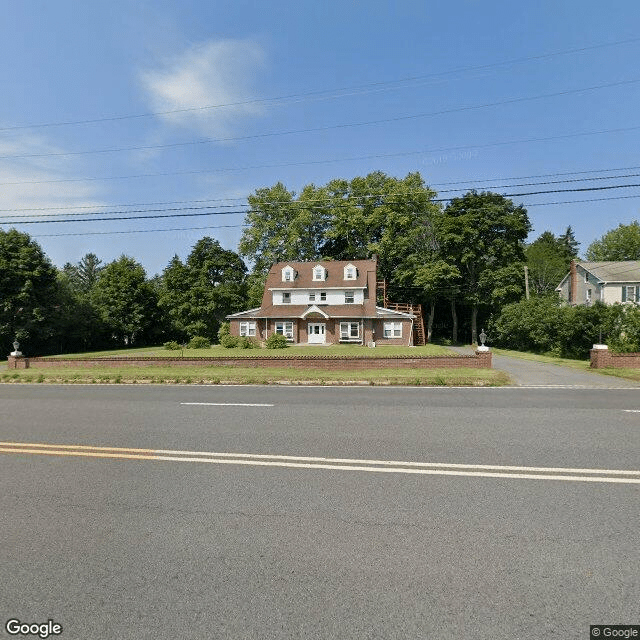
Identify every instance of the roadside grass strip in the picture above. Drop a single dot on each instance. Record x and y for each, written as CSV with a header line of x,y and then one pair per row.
x,y
617,476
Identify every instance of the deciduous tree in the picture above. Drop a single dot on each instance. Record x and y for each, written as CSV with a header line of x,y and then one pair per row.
x,y
621,243
482,235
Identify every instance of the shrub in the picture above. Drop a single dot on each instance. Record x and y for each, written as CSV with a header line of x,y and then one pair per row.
x,y
199,342
224,330
229,342
247,343
276,341
172,345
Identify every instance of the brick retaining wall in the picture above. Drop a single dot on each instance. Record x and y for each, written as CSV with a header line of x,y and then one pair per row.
x,y
601,358
477,361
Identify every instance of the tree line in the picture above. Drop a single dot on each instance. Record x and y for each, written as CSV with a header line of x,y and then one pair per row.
x,y
464,262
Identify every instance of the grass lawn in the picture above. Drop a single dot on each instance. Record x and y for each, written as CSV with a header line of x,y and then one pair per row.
x,y
199,374
217,351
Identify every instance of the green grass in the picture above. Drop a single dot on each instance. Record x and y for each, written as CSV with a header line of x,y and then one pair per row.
x,y
628,374
220,352
198,374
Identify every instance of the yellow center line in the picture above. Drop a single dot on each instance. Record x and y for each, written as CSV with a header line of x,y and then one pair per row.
x,y
321,463
355,461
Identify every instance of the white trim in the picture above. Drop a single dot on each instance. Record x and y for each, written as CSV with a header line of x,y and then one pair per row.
x,y
314,309
392,328
381,310
240,314
342,288
324,273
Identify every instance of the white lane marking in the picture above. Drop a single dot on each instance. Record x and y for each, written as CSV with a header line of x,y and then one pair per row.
x,y
343,464
631,410
228,404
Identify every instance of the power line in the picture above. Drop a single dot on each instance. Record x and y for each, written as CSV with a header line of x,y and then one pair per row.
x,y
173,145
322,94
244,198
169,215
230,226
304,205
101,233
355,158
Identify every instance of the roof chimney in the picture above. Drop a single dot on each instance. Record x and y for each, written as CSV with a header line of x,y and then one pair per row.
x,y
573,283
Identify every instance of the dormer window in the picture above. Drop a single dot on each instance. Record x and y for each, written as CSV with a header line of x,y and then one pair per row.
x,y
319,273
288,274
350,272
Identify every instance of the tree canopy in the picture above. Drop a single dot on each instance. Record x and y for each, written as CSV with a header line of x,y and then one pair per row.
x,y
28,293
342,220
125,300
198,294
548,259
621,243
482,235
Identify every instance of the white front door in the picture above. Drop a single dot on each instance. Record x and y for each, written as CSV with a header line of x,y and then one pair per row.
x,y
316,333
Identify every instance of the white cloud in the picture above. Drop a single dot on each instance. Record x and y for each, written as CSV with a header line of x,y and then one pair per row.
x,y
213,73
28,184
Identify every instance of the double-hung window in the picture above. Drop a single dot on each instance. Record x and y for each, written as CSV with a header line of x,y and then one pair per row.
x,y
629,294
323,296
286,297
349,297
312,297
392,330
285,329
349,330
248,329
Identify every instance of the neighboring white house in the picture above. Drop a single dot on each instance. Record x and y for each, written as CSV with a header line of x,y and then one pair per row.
x,y
609,282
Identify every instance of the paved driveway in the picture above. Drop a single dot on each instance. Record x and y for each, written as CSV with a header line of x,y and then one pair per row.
x,y
526,373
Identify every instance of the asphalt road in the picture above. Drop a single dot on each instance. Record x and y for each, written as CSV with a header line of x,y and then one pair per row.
x,y
171,539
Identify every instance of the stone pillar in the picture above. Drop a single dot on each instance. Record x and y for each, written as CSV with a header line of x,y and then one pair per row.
x,y
486,356
600,356
17,362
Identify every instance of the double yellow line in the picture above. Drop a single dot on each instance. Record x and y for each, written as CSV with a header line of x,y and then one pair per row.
x,y
617,476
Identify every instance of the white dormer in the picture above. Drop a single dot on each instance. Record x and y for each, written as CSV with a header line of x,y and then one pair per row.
x,y
319,273
288,274
350,272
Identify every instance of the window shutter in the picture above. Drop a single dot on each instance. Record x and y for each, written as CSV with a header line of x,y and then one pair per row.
x,y
624,294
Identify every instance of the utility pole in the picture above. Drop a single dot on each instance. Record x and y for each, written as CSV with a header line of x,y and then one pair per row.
x,y
526,281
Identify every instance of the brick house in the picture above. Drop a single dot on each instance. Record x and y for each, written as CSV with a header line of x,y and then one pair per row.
x,y
325,302
608,282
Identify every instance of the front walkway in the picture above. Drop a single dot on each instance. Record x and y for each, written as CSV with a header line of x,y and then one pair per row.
x,y
526,373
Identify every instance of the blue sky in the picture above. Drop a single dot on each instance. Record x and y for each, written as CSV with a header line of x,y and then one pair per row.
x,y
282,67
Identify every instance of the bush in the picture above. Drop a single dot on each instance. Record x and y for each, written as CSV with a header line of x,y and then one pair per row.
x,y
229,342
276,341
172,345
544,325
199,342
247,343
224,330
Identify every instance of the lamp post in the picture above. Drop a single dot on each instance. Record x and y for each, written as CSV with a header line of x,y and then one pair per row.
x,y
16,346
483,338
